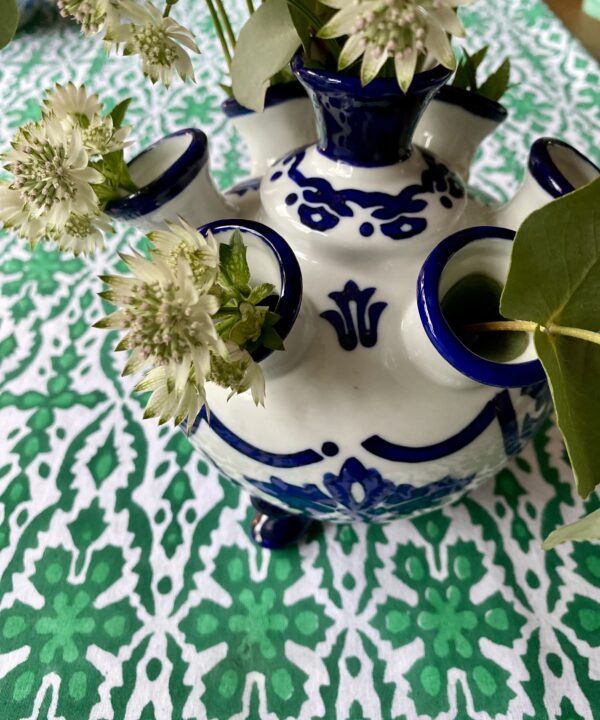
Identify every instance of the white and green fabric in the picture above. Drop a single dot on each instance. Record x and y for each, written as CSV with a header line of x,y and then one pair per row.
x,y
128,586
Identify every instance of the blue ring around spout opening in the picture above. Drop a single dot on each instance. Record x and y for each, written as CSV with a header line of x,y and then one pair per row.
x,y
546,172
290,295
163,188
487,372
472,102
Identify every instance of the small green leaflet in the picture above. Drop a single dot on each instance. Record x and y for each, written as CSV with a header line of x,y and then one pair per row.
x,y
9,20
118,113
235,272
265,45
493,88
497,83
554,279
587,528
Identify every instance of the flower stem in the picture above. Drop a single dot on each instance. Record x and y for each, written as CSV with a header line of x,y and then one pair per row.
x,y
250,6
219,30
525,326
226,22
169,4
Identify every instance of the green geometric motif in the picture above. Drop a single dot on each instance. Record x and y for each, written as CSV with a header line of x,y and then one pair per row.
x,y
451,627
60,632
258,624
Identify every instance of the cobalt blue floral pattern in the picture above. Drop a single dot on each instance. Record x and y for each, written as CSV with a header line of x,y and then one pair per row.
x,y
360,493
361,326
321,206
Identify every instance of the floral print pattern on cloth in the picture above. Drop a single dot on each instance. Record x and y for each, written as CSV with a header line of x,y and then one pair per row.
x,y
128,587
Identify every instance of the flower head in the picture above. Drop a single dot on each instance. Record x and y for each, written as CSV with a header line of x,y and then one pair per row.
x,y
239,372
82,234
398,29
160,41
75,108
51,175
91,15
169,321
201,253
185,324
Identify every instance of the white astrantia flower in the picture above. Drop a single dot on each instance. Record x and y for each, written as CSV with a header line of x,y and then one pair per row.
x,y
82,234
66,101
399,29
168,319
74,107
238,372
201,253
165,403
51,176
93,16
161,42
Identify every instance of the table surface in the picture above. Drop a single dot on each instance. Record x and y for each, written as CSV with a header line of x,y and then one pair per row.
x,y
128,586
584,27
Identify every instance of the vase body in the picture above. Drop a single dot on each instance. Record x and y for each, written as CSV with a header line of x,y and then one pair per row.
x,y
375,410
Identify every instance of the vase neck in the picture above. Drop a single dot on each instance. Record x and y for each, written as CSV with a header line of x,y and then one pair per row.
x,y
368,126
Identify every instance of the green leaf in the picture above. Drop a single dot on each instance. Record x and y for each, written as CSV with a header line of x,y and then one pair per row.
x,y
465,77
478,57
265,45
270,339
259,293
586,528
573,369
554,279
9,20
554,275
233,264
119,111
497,83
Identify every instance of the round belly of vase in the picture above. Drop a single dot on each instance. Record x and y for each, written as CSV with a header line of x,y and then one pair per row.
x,y
376,480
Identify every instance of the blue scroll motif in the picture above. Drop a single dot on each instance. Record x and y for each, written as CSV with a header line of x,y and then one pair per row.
x,y
360,493
361,327
322,206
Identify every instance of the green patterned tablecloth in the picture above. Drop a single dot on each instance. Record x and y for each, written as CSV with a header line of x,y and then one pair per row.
x,y
128,586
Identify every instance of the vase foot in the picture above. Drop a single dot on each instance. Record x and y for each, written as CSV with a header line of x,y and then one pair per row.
x,y
273,528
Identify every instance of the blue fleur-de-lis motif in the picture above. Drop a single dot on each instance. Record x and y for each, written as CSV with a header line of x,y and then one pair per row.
x,y
360,325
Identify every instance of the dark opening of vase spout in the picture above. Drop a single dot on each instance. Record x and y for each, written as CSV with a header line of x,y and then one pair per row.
x,y
369,126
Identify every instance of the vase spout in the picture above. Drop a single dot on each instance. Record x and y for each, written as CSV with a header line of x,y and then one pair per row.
x,y
459,285
370,126
455,124
554,169
174,181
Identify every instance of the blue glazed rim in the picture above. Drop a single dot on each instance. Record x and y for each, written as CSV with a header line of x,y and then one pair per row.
x,y
276,94
472,102
169,184
290,297
484,371
545,170
324,80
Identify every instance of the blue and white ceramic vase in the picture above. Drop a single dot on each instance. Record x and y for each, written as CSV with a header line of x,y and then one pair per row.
x,y
375,410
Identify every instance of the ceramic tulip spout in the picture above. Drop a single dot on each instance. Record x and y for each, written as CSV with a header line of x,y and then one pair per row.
x,y
174,180
554,168
376,409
